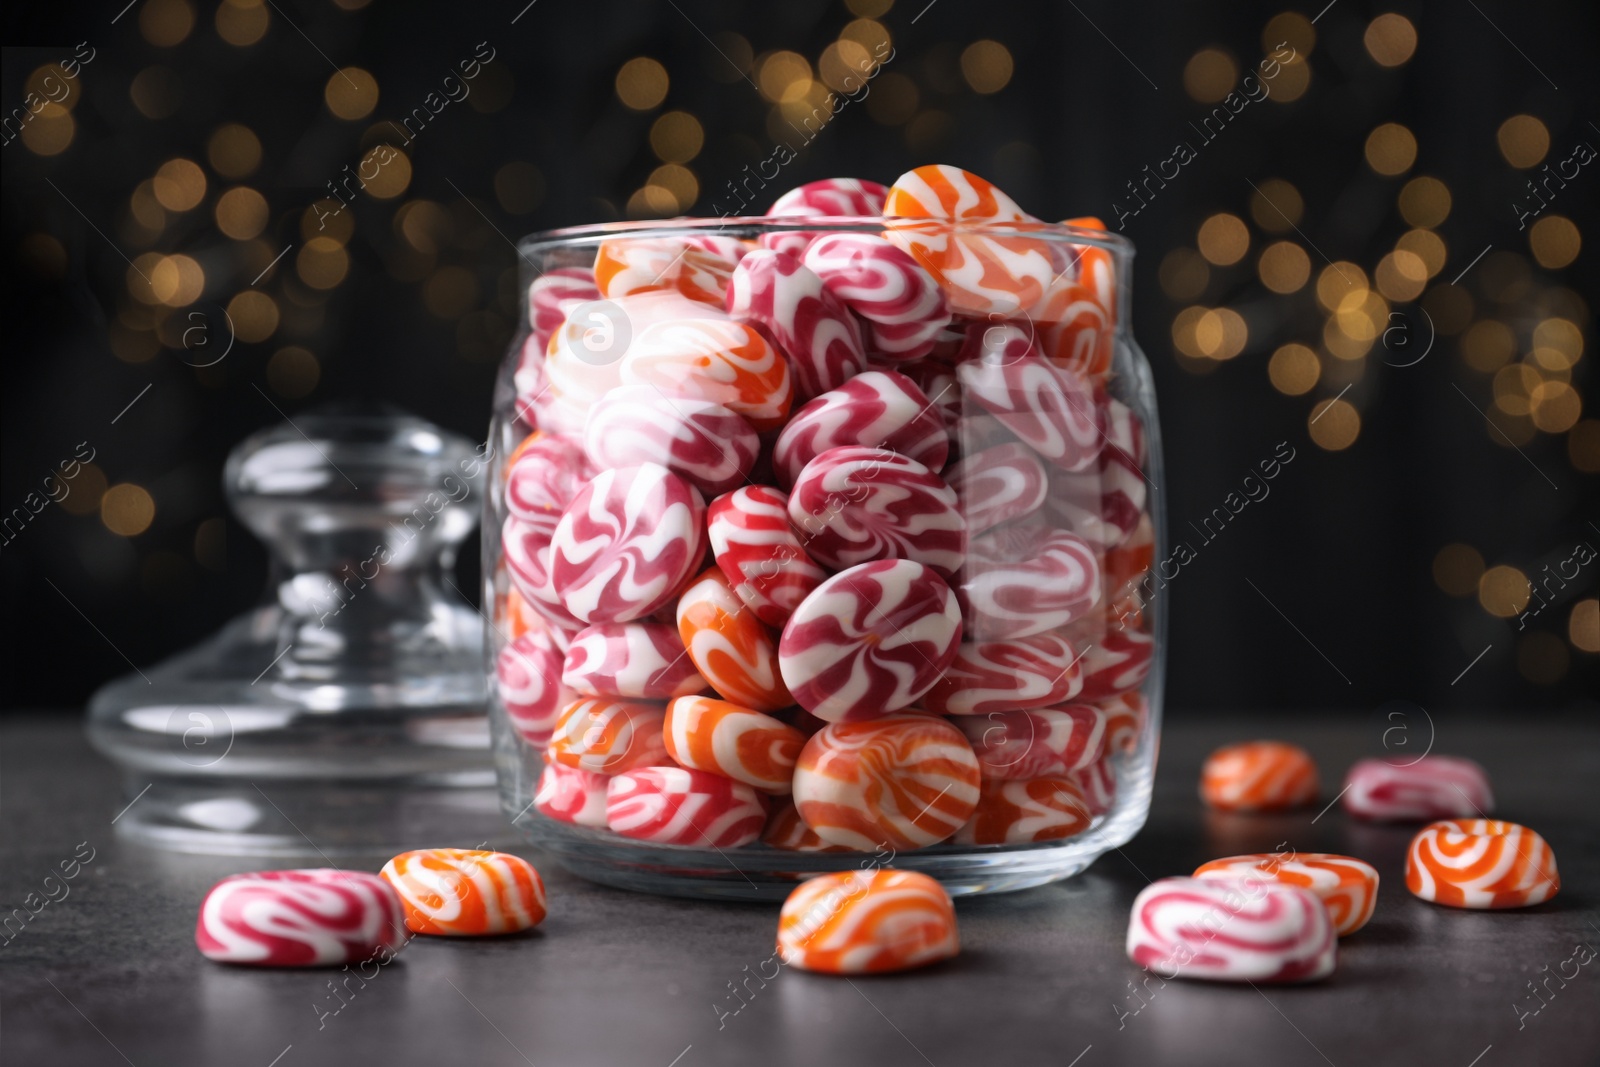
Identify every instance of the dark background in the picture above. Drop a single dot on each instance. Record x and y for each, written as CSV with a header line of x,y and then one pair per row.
x,y
1339,590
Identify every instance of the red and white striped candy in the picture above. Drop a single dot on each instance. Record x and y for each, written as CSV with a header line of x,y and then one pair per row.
x,y
747,746
729,250
938,383
674,806
608,736
627,543
998,485
905,780
528,679
1050,409
1027,672
1231,931
811,326
758,552
1015,745
1000,599
1125,715
1116,663
526,549
634,660
788,831
852,505
1099,784
869,640
702,442
732,648
628,265
546,475
836,197
875,409
552,295
719,360
903,306
1019,812
1433,787
321,917
1126,564
571,795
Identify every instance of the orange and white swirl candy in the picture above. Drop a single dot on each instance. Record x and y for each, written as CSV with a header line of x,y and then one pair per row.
x,y
1481,864
459,892
867,922
1034,809
747,746
905,780
713,359
1258,776
1125,715
628,265
786,830
733,649
1348,887
609,736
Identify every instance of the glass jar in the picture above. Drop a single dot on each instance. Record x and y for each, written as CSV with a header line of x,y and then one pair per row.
x,y
972,472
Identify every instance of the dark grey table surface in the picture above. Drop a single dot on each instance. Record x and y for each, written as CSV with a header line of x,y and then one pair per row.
x,y
110,974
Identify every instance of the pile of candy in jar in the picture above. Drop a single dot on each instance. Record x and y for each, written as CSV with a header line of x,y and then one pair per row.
x,y
832,539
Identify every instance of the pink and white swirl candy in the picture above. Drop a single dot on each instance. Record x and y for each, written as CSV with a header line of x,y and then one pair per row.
x,y
552,295
997,485
1098,781
729,250
1105,503
836,197
569,794
320,917
528,678
938,383
627,543
1433,787
904,307
1028,672
526,549
875,409
1117,663
635,660
1050,409
757,551
1251,930
702,442
1000,599
818,334
852,505
544,478
674,806
1029,744
870,640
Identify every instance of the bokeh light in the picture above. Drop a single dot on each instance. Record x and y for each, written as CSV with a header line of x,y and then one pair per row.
x,y
179,185
1583,625
676,137
127,510
1294,370
1184,274
1524,141
157,92
234,151
1503,591
987,66
1284,267
1223,239
1334,425
1210,75
390,169
1424,202
293,372
166,23
254,315
50,132
241,213
642,83
1276,206
322,263
1391,149
242,22
1457,569
177,280
1488,345
1391,40
1555,242
351,93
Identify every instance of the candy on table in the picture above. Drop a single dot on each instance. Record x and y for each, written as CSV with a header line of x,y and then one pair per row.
x,y
572,795
702,442
1118,662
996,272
1015,812
867,922
1026,672
459,892
626,543
1231,932
837,197
1258,776
719,360
528,677
320,917
1056,582
787,831
545,476
905,780
811,326
608,736
624,266
1013,745
1098,781
713,735
997,485
904,308
555,293
870,640
635,660
1125,714
1347,887
674,806
1432,787
1481,864
1050,409
875,409
730,646
758,552
853,505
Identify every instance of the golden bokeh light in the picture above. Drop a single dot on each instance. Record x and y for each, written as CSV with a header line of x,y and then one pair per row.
x,y
1334,425
1183,329
1276,206
680,182
1210,75
519,187
1542,658
1488,345
1583,625
1338,280
1555,242
234,151
1557,344
1284,267
1424,202
1362,315
1223,239
390,169
987,66
1294,78
1513,385
1524,141
425,225
177,281
1457,568
1555,407
1391,149
1184,274
1427,246
1583,446
676,137
165,23
127,510
50,82
845,66
1450,308
1294,370
254,315
736,58
652,202
351,93
242,22
322,263
88,489
293,372
1220,334
51,131
241,213
450,292
179,185
1289,28
1342,346
156,92
327,218
1401,276
1391,40
784,76
869,34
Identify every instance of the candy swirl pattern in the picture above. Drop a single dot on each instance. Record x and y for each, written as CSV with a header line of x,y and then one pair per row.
x,y
568,794
1018,745
703,443
1017,812
758,552
875,409
718,360
1347,887
905,310
1481,864
547,473
318,917
1433,787
997,485
812,327
867,922
1029,672
634,660
854,505
730,646
528,677
674,806
1231,932
1258,776
629,265
1058,582
1050,409
747,746
457,892
608,736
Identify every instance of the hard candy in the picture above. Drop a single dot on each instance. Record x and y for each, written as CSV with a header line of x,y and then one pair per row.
x,y
458,892
1020,812
732,648
674,806
867,922
702,442
320,917
1432,787
1057,581
624,266
758,552
1050,409
904,308
552,295
1098,781
1481,864
1027,672
1258,776
853,505
717,360
713,735
1347,887
571,795
787,831
633,660
1016,745
544,478
811,326
1230,931
875,409
998,484
1118,662
528,678
608,736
